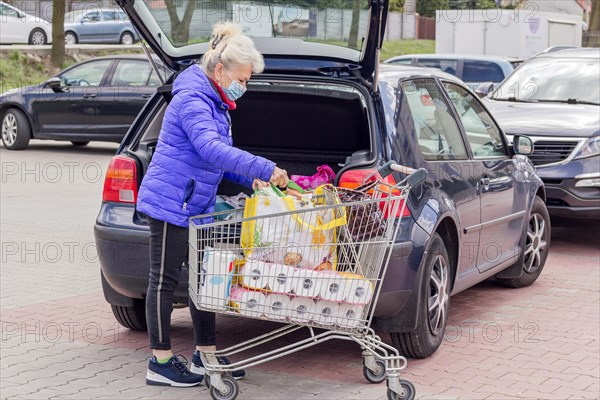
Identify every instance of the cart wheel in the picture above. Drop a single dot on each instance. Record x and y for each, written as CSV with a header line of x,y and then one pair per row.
x,y
231,392
376,376
409,390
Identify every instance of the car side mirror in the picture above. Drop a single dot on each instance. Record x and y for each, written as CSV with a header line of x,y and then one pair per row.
x,y
85,20
485,89
523,145
55,84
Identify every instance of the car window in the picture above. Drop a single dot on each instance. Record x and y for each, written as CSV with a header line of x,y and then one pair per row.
x,y
88,74
131,72
403,61
92,16
482,133
438,134
123,16
109,15
7,11
448,66
482,71
154,80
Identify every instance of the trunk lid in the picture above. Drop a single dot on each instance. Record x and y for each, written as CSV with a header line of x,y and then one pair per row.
x,y
299,36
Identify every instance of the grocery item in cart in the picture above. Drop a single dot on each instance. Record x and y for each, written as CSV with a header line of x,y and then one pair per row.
x,y
302,309
250,303
277,306
350,315
358,290
365,220
305,238
216,275
327,312
253,275
323,176
281,278
305,283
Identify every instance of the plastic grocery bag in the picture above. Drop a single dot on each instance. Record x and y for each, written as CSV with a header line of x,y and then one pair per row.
x,y
324,175
290,231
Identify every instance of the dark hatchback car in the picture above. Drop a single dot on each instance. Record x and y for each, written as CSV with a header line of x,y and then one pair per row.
x,y
480,213
95,100
554,98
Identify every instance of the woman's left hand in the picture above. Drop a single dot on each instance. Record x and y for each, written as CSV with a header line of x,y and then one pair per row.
x,y
258,184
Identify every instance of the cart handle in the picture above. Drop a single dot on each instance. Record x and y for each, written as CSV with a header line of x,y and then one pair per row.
x,y
415,176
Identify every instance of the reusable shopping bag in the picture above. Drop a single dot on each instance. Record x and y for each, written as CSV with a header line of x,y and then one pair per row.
x,y
283,229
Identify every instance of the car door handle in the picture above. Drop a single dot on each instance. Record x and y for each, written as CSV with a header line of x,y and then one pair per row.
x,y
146,96
89,96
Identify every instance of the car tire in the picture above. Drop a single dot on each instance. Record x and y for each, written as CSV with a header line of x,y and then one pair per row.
x,y
431,321
38,37
80,144
127,39
536,247
134,317
16,130
70,38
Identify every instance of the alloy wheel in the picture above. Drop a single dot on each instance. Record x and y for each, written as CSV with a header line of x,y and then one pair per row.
x,y
127,40
38,38
535,243
438,295
9,129
70,39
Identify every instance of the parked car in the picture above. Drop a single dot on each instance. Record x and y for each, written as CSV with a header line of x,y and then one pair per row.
x,y
92,100
99,26
480,213
19,27
555,99
473,70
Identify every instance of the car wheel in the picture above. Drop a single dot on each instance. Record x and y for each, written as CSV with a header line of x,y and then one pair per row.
x,y
133,318
127,38
38,37
70,38
16,131
80,144
432,315
535,249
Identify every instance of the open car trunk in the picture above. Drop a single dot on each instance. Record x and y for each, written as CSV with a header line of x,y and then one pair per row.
x,y
299,126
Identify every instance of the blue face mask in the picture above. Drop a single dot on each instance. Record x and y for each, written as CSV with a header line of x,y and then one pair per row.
x,y
235,89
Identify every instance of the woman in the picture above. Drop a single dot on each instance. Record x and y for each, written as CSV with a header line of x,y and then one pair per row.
x,y
193,154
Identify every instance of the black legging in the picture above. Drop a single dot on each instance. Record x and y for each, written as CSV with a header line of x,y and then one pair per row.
x,y
168,250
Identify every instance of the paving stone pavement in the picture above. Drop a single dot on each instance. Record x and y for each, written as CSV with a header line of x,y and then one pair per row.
x,y
59,339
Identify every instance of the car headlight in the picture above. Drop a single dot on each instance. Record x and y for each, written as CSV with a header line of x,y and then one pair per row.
x,y
590,148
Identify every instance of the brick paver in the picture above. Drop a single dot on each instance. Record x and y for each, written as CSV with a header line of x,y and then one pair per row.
x,y
60,340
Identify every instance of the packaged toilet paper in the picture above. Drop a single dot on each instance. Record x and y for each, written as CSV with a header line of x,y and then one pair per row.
x,y
302,309
306,283
280,278
327,312
349,315
357,289
247,302
253,275
277,306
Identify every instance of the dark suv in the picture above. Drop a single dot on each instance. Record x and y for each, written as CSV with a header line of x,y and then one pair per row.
x,y
480,212
555,99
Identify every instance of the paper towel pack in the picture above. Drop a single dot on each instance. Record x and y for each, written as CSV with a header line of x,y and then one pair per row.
x,y
216,275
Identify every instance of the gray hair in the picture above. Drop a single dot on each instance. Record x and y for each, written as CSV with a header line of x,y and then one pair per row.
x,y
230,47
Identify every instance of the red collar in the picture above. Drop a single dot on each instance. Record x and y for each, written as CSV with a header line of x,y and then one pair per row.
x,y
230,103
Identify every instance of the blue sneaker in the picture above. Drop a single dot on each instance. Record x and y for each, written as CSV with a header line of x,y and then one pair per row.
x,y
198,368
172,373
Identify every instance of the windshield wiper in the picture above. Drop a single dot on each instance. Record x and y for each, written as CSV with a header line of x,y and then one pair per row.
x,y
570,101
513,99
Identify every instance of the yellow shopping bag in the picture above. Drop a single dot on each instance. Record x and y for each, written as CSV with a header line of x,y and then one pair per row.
x,y
283,229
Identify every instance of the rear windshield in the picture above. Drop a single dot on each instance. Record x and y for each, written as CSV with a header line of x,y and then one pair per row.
x,y
338,22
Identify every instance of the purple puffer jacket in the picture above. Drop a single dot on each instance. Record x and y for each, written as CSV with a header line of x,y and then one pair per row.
x,y
194,152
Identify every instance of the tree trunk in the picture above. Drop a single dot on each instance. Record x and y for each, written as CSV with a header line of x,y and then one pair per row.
x,y
58,33
353,37
592,38
180,30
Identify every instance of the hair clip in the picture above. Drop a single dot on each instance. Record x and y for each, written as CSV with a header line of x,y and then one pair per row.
x,y
216,41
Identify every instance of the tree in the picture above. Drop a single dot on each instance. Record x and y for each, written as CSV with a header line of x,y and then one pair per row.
x,y
180,29
427,8
353,36
58,33
592,37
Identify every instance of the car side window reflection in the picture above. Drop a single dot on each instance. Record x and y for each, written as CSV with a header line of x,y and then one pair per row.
x,y
437,132
89,74
132,72
482,133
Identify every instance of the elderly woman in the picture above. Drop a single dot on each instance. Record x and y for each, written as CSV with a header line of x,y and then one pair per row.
x,y
193,154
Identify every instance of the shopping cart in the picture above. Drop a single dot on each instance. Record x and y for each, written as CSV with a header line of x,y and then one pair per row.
x,y
236,271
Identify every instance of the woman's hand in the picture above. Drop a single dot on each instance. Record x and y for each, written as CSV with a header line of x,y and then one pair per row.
x,y
279,177
258,184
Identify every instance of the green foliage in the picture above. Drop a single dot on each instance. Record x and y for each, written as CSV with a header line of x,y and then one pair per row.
x,y
396,5
427,8
472,4
399,47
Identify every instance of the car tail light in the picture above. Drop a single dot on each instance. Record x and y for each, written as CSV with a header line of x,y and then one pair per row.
x,y
356,178
120,184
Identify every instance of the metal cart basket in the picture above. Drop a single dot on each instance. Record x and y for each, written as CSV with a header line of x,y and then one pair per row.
x,y
317,266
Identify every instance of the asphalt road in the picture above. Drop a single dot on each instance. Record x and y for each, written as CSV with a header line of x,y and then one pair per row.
x,y
60,341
